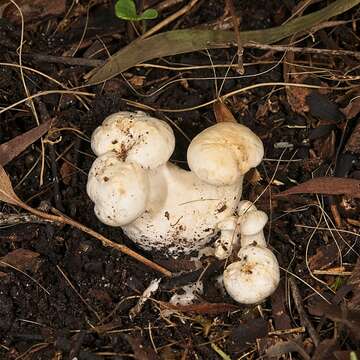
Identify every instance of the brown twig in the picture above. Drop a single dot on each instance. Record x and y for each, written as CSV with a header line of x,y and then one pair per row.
x,y
306,50
16,219
59,217
236,21
305,321
8,195
66,60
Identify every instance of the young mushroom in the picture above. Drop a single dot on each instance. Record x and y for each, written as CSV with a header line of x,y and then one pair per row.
x,y
256,274
159,205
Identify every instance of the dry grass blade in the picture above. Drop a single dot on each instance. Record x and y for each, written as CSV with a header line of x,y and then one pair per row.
x,y
15,146
326,185
7,193
182,41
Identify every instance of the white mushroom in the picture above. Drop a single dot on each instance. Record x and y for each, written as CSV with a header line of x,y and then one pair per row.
x,y
119,190
176,211
135,137
256,275
223,153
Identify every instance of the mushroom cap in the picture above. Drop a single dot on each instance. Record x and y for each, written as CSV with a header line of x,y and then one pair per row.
x,y
245,206
118,189
252,222
254,277
224,152
136,137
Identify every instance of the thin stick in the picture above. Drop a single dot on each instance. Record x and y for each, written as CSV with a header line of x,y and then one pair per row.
x,y
305,50
305,321
236,22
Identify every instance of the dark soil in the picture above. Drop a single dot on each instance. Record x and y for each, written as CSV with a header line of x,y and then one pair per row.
x,y
72,300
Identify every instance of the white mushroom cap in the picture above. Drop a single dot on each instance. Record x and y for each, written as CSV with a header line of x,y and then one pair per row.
x,y
136,137
254,277
118,189
245,206
252,222
224,152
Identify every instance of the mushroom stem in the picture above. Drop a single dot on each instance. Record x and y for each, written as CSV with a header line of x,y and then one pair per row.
x,y
227,239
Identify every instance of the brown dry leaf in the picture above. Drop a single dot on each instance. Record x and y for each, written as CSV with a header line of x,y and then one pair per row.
x,y
7,193
245,334
352,109
17,145
137,80
21,259
296,96
222,113
354,281
205,308
34,10
326,185
345,354
324,257
349,318
66,170
141,352
353,144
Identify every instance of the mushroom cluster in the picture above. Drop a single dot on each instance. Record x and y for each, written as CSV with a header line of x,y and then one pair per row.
x,y
159,205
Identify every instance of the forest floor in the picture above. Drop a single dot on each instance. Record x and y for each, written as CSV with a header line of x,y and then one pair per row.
x,y
65,296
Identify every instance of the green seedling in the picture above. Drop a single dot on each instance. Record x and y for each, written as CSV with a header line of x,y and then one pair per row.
x,y
126,10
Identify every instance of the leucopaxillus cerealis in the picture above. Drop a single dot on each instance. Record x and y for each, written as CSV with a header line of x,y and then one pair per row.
x,y
164,207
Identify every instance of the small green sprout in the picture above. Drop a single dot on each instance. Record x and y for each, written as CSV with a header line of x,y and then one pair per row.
x,y
126,10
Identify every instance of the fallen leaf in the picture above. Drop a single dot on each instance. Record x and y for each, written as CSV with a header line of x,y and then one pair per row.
x,y
345,354
326,185
352,109
354,282
204,308
222,113
17,145
284,347
296,96
7,193
345,316
353,144
141,352
245,334
325,350
325,256
34,10
21,259
322,108
278,309
66,170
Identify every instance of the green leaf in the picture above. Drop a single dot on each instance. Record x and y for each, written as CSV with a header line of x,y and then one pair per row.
x,y
126,10
149,14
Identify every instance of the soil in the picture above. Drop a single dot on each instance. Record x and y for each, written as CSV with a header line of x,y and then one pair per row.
x,y
70,297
